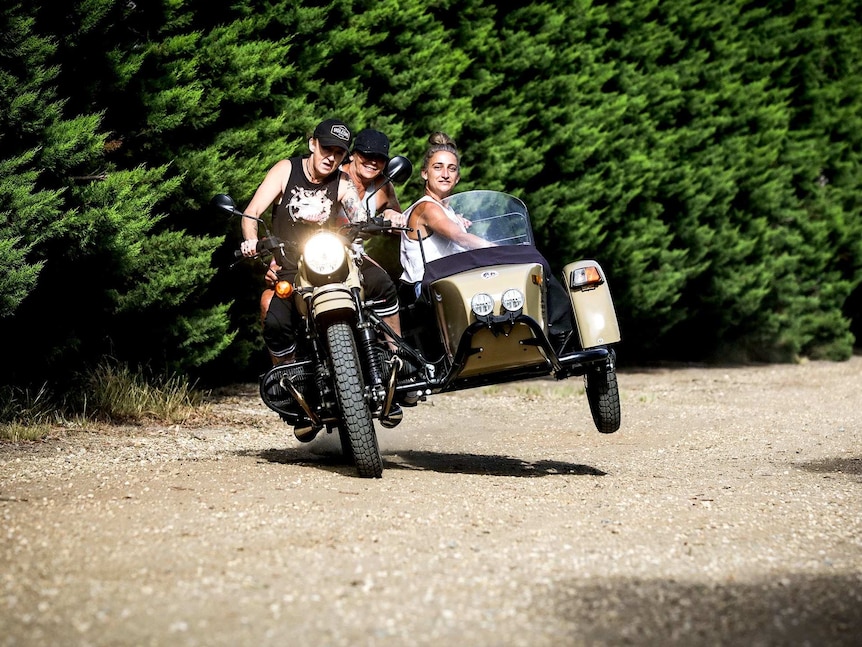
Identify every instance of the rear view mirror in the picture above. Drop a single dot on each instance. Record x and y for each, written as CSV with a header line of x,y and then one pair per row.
x,y
224,202
398,169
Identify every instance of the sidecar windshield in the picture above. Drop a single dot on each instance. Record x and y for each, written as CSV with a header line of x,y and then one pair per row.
x,y
497,217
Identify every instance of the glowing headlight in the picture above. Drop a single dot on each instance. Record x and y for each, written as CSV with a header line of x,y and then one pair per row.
x,y
324,253
482,304
513,300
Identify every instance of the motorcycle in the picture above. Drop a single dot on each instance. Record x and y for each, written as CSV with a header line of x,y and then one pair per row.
x,y
479,317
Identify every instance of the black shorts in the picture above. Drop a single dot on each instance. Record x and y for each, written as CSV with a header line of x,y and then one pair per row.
x,y
379,288
278,327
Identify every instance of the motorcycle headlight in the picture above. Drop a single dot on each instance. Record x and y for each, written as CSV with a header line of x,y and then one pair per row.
x,y
482,304
324,253
513,300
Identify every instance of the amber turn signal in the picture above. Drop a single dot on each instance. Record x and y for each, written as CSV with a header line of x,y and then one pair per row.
x,y
585,276
283,289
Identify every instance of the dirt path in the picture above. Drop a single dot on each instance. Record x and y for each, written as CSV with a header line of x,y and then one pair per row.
x,y
727,510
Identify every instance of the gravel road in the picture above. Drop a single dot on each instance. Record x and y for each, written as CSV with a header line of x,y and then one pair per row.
x,y
726,511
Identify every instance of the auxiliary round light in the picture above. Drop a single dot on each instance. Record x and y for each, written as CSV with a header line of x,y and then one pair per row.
x,y
482,304
513,300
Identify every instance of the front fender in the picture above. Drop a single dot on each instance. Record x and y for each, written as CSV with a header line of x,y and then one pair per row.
x,y
332,299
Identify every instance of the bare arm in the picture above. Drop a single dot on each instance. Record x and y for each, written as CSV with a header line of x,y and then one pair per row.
x,y
433,218
390,199
348,198
389,206
269,190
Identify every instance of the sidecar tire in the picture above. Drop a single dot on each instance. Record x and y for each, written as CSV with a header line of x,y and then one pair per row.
x,y
358,425
603,394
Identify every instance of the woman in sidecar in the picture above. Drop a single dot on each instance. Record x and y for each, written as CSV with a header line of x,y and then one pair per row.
x,y
437,230
481,305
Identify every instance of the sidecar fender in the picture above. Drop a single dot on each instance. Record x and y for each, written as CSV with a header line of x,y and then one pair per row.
x,y
595,315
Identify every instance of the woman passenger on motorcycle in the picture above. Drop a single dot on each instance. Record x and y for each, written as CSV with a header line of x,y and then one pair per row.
x,y
306,193
443,232
365,166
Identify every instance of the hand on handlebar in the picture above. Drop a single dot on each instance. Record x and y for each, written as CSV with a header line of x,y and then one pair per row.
x,y
249,247
397,219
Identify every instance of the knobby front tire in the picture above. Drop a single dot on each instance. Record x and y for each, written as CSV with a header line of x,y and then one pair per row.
x,y
357,425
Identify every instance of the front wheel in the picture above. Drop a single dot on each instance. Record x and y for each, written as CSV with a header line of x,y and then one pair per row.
x,y
356,428
603,394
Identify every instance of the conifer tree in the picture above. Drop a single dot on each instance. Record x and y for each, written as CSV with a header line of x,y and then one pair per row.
x,y
27,106
42,150
820,49
96,239
707,153
578,141
672,150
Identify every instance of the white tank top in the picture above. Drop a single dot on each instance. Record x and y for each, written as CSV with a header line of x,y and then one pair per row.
x,y
434,246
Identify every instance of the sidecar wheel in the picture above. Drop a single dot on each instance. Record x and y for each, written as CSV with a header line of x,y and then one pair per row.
x,y
603,394
356,425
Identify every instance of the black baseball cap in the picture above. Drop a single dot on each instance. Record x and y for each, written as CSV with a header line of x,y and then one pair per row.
x,y
372,142
333,132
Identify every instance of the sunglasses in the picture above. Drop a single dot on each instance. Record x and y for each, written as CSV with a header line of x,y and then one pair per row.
x,y
382,159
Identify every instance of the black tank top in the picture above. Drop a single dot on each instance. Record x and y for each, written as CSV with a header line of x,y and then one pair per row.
x,y
306,207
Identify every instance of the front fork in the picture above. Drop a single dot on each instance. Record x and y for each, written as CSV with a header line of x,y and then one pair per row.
x,y
366,337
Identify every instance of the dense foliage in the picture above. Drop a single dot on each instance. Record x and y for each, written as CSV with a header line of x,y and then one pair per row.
x,y
706,152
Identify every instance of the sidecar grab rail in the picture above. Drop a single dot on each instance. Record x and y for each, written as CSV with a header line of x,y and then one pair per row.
x,y
560,366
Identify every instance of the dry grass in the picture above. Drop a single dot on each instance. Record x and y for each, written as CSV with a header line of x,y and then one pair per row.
x,y
26,414
111,393
118,394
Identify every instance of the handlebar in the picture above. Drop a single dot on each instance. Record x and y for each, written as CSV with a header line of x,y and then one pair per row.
x,y
374,225
371,227
269,244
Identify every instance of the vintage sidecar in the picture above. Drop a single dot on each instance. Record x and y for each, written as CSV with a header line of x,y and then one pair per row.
x,y
482,316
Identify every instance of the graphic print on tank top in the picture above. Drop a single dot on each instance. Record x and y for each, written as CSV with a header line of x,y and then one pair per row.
x,y
309,205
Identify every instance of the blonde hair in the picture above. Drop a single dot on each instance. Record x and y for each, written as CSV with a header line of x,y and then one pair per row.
x,y
440,142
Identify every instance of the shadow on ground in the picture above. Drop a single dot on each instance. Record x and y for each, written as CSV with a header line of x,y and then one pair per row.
x,y
492,465
834,466
791,610
441,462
